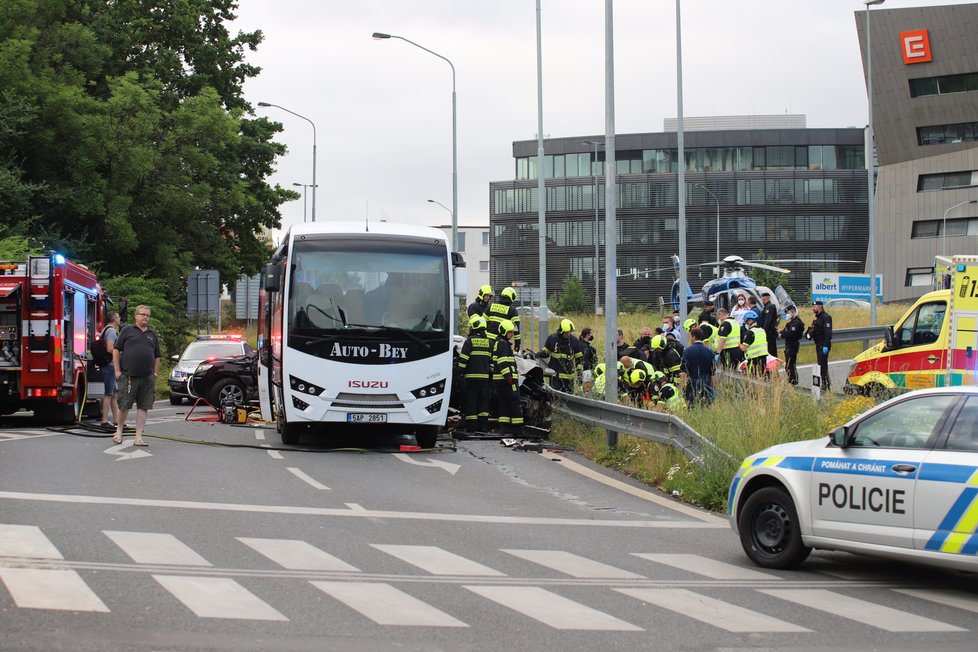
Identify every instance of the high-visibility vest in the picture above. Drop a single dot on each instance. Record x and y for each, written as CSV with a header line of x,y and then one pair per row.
x,y
711,341
675,400
758,348
732,341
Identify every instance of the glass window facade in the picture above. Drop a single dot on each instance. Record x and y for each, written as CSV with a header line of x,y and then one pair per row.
x,y
944,84
962,132
935,228
946,180
700,159
919,277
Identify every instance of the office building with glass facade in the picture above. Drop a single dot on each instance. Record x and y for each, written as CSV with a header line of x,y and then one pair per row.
x,y
925,114
792,192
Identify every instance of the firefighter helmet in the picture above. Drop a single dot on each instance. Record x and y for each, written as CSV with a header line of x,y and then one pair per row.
x,y
657,376
509,294
658,342
506,326
566,326
485,292
599,369
689,323
636,376
477,322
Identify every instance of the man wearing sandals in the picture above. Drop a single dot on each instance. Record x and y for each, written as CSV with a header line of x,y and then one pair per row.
x,y
136,357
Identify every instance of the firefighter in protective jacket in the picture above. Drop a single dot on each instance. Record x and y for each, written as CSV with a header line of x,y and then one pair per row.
x,y
506,380
563,356
475,363
504,309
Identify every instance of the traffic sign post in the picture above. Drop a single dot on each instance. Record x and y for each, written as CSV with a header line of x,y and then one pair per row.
x,y
204,296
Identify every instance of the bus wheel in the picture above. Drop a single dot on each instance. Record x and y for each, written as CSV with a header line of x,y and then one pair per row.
x,y
289,432
426,436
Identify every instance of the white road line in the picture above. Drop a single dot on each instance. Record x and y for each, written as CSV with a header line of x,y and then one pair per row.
x,y
705,566
711,611
218,597
260,435
950,598
155,548
275,455
861,611
573,565
297,555
386,605
437,561
63,590
552,609
26,541
443,517
305,478
649,495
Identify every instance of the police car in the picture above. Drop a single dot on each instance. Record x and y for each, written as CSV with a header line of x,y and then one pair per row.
x,y
203,348
900,481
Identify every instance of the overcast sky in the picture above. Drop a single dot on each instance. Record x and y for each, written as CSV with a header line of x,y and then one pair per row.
x,y
382,109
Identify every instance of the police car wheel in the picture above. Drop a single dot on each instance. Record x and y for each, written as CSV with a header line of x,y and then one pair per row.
x,y
769,530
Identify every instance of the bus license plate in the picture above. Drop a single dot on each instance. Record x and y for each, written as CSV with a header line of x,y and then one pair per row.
x,y
366,417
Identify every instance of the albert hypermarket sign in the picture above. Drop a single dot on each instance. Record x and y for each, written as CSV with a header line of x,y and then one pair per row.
x,y
832,285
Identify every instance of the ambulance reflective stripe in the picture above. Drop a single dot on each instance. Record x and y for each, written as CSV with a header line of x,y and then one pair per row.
x,y
956,533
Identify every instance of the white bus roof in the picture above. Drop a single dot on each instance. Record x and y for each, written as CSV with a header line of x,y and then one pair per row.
x,y
386,228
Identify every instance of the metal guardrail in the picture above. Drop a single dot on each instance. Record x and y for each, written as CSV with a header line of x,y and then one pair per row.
x,y
652,426
863,334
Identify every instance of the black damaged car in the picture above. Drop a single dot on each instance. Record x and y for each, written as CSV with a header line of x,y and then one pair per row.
x,y
234,379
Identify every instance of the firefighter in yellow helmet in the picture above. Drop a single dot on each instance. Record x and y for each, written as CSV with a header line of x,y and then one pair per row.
x,y
504,309
482,301
506,380
563,355
475,364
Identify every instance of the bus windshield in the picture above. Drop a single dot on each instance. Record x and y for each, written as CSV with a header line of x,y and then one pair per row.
x,y
344,286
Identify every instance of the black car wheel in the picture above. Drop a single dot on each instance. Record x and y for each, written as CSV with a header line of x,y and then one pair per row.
x,y
175,400
769,530
227,389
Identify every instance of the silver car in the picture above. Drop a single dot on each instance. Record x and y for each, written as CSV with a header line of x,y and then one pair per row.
x,y
900,481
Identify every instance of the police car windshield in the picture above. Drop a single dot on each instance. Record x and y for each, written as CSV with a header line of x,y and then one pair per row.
x,y
204,349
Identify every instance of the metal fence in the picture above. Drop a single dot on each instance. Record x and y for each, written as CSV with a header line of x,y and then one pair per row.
x,y
669,429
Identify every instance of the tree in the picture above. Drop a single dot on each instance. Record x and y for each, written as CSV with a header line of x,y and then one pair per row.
x,y
125,137
573,298
766,277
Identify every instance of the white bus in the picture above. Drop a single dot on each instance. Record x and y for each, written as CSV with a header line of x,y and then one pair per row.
x,y
356,326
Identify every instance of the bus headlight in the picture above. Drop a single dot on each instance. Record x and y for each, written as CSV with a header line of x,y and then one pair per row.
x,y
429,390
299,385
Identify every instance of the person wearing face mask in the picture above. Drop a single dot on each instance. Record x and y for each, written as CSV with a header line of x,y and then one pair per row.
x,y
739,310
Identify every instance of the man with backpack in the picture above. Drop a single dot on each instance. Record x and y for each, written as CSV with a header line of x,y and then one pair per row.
x,y
102,356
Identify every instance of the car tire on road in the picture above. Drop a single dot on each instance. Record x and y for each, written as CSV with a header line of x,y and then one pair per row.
x,y
227,389
175,400
770,531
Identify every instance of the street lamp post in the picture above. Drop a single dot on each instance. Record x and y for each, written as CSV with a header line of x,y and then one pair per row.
x,y
700,185
597,275
454,211
870,186
944,224
268,104
304,186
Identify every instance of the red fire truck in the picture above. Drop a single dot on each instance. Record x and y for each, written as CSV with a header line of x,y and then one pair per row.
x,y
51,311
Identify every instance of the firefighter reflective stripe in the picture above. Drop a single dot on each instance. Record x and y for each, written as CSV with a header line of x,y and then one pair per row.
x,y
498,312
732,341
475,359
758,347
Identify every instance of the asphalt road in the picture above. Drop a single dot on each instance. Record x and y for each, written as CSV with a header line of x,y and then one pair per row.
x,y
218,538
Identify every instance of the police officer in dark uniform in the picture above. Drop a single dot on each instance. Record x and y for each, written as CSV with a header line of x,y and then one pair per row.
x,y
707,315
820,332
769,322
792,334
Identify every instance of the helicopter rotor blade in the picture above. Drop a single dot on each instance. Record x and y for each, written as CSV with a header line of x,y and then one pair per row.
x,y
763,266
810,260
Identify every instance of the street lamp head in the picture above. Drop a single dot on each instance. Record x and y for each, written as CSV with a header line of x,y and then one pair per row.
x,y
870,3
265,104
380,36
297,184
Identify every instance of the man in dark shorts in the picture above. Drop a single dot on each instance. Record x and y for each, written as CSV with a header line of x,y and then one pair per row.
x,y
136,357
110,403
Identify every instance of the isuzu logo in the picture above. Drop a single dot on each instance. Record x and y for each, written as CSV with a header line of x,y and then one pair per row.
x,y
368,384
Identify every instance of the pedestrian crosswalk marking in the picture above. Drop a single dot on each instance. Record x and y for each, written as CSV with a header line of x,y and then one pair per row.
x,y
297,555
574,565
218,597
861,611
62,590
438,561
957,599
552,609
707,567
26,541
156,548
386,605
711,611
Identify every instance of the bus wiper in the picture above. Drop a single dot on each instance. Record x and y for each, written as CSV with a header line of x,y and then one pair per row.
x,y
395,329
325,314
